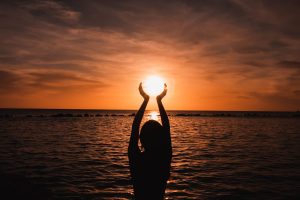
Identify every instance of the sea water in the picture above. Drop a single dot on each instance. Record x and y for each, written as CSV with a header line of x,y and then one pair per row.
x,y
82,154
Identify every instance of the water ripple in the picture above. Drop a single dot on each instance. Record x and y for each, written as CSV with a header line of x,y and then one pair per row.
x,y
213,158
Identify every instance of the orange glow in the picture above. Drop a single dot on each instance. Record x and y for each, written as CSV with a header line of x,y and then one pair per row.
x,y
153,115
153,85
88,59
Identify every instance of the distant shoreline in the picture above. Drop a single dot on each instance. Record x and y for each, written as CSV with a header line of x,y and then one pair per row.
x,y
70,113
101,109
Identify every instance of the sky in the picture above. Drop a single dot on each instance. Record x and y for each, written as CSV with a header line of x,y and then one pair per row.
x,y
214,55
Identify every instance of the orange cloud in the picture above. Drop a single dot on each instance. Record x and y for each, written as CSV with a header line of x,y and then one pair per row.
x,y
227,55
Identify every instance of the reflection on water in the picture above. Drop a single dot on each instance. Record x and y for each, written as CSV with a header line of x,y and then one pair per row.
x,y
213,158
153,115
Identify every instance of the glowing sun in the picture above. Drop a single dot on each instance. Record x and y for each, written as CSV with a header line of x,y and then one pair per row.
x,y
153,85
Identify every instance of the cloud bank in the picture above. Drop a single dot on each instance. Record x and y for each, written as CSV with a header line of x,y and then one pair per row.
x,y
244,52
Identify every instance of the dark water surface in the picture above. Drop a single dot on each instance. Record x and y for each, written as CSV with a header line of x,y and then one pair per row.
x,y
213,157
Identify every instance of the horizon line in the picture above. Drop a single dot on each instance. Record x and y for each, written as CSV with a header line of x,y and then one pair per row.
x,y
114,109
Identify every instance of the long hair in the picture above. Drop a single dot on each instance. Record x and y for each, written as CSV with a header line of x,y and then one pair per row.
x,y
152,136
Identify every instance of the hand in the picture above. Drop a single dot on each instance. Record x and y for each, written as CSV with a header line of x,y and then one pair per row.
x,y
143,93
161,96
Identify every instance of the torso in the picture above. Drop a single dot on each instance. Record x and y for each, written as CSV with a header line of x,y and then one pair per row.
x,y
150,174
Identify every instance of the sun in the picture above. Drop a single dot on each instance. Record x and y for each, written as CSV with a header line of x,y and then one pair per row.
x,y
153,85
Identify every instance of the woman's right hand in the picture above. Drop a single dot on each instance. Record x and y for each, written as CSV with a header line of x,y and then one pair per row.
x,y
161,96
143,93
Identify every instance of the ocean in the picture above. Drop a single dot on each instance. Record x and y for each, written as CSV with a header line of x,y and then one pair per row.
x,y
82,154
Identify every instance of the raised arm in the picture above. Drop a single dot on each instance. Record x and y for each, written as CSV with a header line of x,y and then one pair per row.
x,y
134,138
164,118
163,114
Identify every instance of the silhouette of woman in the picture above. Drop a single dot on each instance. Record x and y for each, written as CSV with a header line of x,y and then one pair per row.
x,y
150,168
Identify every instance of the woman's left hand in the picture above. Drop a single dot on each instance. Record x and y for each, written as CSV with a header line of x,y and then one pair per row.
x,y
143,93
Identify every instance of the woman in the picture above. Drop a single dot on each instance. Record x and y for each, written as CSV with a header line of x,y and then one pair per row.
x,y
150,168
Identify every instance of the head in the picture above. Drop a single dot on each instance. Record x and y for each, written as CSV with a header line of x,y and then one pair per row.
x,y
152,136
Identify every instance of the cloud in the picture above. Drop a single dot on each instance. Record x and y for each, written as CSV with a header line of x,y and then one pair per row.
x,y
289,64
8,80
52,11
279,101
297,92
58,45
53,82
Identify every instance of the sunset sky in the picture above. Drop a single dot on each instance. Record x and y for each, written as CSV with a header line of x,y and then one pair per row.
x,y
214,55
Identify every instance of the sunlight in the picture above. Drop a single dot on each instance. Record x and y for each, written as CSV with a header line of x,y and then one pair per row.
x,y
153,85
153,115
